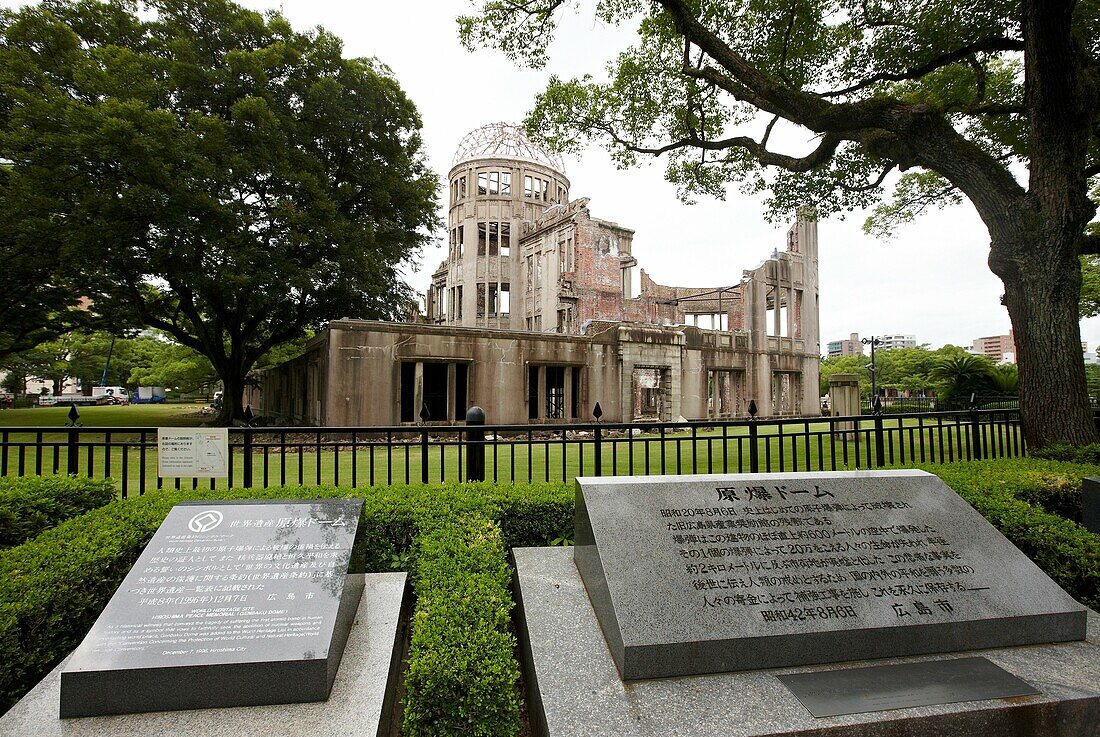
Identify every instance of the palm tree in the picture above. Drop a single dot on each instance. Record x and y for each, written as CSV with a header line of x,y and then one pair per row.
x,y
1005,378
961,376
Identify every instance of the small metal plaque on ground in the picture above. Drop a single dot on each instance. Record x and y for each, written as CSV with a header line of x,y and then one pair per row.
x,y
883,687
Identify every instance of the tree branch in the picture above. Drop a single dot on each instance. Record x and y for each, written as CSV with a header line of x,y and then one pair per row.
x,y
818,156
786,45
993,43
870,185
909,134
768,130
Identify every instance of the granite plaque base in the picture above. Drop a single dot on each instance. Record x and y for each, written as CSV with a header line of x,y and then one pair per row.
x,y
574,689
360,703
230,604
717,573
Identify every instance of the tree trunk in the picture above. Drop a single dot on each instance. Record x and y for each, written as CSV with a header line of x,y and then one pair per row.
x,y
232,397
1042,282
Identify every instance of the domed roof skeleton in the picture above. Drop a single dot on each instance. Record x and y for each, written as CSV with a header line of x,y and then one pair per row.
x,y
504,140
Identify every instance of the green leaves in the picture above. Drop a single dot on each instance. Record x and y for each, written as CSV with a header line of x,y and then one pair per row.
x,y
914,193
865,71
224,179
1090,286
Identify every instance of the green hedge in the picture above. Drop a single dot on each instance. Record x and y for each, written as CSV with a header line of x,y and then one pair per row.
x,y
1000,491
462,675
31,504
453,539
1069,453
53,587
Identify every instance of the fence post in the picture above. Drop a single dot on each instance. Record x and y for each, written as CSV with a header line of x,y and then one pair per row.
x,y
597,412
754,452
425,415
246,462
599,450
880,440
424,456
475,444
976,432
72,462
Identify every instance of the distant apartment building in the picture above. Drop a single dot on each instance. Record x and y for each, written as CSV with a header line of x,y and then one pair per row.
x,y
998,348
849,347
887,342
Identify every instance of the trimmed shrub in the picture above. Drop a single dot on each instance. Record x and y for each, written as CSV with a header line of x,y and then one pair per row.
x,y
1069,453
1066,552
1058,495
536,515
462,676
31,504
53,587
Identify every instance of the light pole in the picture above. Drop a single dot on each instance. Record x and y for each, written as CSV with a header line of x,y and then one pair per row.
x,y
873,341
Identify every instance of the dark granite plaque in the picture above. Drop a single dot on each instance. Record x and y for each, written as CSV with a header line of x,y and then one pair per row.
x,y
831,693
706,574
230,604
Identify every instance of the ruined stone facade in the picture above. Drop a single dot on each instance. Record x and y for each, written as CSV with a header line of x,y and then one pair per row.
x,y
532,317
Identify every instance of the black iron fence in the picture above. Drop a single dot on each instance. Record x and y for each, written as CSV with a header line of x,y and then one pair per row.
x,y
913,405
371,456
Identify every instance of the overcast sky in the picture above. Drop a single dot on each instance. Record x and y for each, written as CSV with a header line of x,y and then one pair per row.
x,y
931,280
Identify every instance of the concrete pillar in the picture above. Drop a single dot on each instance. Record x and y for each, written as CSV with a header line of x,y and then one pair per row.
x,y
540,394
452,411
806,231
672,391
418,390
844,398
777,327
712,377
568,409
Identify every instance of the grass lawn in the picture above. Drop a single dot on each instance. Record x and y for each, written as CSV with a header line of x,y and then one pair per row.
x,y
134,415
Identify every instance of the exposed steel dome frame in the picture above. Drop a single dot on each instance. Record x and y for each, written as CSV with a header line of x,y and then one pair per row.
x,y
504,140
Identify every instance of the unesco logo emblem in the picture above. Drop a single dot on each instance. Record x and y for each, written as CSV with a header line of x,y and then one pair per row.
x,y
205,521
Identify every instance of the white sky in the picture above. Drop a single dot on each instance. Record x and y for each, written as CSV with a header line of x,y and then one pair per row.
x,y
931,280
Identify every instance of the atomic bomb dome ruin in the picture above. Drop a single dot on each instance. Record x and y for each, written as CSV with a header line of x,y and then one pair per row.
x,y
533,316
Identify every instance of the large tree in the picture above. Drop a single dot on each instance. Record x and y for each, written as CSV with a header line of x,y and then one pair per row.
x,y
39,300
994,101
238,182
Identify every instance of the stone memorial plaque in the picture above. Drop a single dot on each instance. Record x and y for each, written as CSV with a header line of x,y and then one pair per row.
x,y
707,574
230,604
831,693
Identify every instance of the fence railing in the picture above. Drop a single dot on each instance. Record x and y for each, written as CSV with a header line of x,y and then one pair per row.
x,y
372,456
913,405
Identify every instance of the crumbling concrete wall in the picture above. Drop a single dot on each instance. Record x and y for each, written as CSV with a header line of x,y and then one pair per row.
x,y
376,373
363,384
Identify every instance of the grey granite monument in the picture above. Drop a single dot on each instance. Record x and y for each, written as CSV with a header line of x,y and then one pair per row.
x,y
230,604
574,688
862,604
361,701
710,574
